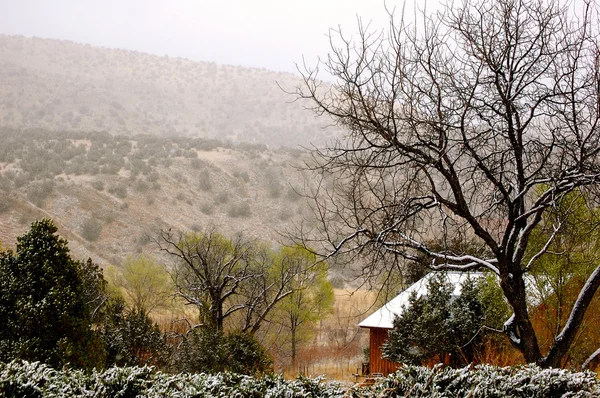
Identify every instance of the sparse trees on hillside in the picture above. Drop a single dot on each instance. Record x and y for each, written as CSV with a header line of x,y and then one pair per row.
x,y
475,125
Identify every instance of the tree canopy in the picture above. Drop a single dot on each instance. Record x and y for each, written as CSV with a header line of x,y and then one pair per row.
x,y
473,123
146,283
232,279
311,300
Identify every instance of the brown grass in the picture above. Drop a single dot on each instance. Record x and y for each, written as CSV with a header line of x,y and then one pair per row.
x,y
337,349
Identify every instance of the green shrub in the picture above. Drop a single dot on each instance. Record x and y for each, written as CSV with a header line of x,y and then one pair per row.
x,y
98,185
91,229
206,349
119,190
484,381
200,351
132,339
24,379
39,191
152,177
221,198
5,204
204,182
206,208
245,355
141,186
239,210
5,183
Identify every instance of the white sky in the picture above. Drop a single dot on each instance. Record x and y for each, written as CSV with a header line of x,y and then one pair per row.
x,y
259,33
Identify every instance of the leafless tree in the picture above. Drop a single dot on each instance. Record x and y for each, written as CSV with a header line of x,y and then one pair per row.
x,y
474,125
229,278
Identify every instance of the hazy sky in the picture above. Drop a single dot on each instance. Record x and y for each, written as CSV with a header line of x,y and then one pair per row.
x,y
260,33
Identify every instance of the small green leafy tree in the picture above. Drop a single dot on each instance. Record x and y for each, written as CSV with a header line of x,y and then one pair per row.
x,y
437,326
43,303
146,283
129,336
572,239
311,300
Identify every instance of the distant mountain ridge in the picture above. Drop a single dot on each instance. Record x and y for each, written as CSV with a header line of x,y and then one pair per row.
x,y
61,85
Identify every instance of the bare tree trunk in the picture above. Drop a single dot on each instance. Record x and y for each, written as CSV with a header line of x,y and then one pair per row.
x,y
519,328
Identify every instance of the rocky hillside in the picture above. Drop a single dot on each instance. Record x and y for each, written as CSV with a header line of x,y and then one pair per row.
x,y
110,195
61,85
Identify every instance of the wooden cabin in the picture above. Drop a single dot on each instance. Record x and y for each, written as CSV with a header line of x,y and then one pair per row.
x,y
382,320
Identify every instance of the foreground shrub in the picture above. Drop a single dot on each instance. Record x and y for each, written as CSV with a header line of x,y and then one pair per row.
x,y
208,350
484,381
24,379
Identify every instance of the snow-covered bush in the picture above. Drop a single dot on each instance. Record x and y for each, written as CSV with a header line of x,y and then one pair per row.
x,y
25,379
484,381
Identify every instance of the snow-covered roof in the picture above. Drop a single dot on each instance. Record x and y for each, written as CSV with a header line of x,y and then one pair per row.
x,y
384,317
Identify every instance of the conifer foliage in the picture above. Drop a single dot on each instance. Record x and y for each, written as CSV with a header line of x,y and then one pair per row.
x,y
42,303
437,325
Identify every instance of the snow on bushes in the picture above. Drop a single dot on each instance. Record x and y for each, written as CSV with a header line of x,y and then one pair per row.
x,y
484,381
25,379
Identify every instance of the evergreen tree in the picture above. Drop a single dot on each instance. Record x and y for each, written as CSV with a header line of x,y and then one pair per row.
x,y
437,326
209,350
131,338
42,302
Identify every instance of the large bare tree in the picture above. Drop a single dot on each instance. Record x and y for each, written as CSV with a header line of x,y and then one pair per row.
x,y
472,122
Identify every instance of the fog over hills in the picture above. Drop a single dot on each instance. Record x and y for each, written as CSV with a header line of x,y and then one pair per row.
x,y
115,145
61,85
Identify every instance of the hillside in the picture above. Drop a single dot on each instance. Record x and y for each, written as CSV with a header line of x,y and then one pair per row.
x,y
61,85
115,145
110,195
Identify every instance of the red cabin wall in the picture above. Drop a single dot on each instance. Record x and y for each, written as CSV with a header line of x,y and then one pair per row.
x,y
378,364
